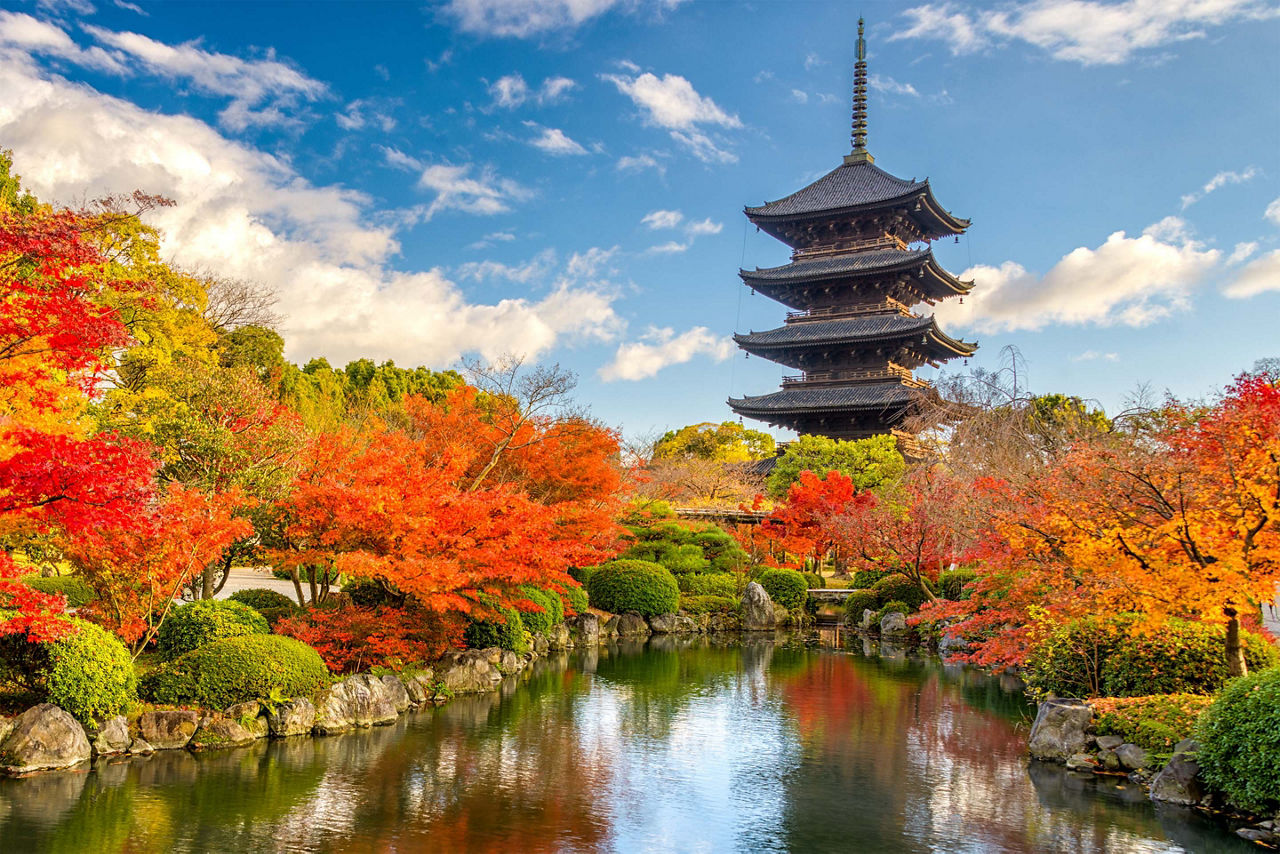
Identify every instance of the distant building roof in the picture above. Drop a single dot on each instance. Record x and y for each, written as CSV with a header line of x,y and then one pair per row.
x,y
854,264
885,395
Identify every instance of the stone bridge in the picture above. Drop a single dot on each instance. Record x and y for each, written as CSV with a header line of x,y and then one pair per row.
x,y
827,596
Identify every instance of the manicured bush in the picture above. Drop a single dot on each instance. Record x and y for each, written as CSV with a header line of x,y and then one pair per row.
x,y
1156,723
88,673
892,608
684,548
1239,737
194,625
785,587
236,670
541,609
582,574
496,626
814,580
77,592
574,600
865,578
898,588
259,598
951,583
857,602
710,584
692,604
634,585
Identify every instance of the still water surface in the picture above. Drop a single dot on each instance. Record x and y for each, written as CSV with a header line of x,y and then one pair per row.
x,y
671,746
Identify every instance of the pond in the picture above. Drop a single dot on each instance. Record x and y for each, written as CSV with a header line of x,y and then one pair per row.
x,y
674,745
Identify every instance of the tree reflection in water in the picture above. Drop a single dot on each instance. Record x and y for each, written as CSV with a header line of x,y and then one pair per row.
x,y
674,745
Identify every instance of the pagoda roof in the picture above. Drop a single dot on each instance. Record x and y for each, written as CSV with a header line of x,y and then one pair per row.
x,y
851,264
853,330
852,187
868,396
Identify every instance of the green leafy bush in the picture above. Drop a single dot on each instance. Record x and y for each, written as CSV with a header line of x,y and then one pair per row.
x,y
634,585
685,548
951,583
814,580
1239,737
236,670
582,574
892,608
547,611
503,627
692,604
898,588
77,592
710,584
857,602
259,598
199,623
574,600
370,593
1156,723
88,673
785,587
865,579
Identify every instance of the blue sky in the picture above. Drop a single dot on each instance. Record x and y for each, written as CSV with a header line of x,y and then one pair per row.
x,y
565,178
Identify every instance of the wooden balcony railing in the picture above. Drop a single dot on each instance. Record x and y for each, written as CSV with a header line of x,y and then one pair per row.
x,y
888,305
889,372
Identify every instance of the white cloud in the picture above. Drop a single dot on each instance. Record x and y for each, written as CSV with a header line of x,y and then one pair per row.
x,y
1256,277
39,37
526,18
662,219
1273,212
671,247
640,162
588,265
456,189
889,86
396,158
1242,252
1086,31
492,238
799,96
1217,182
672,103
130,7
660,348
553,141
511,91
80,7
812,61
1094,355
245,213
706,226
363,112
532,270
1127,280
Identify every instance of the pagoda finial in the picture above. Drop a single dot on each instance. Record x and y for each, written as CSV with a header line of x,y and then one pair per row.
x,y
860,154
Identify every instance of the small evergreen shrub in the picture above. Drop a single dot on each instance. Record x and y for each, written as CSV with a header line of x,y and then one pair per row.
x,y
710,584
501,627
859,601
786,587
199,623
814,580
692,604
546,610
89,673
634,585
236,670
1156,723
582,574
892,608
684,559
951,583
898,588
1239,737
865,578
76,590
574,600
259,598
370,593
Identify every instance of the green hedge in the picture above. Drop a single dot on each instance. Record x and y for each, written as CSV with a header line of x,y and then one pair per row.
x,y
77,592
898,588
259,598
865,579
501,627
857,602
574,599
785,587
89,673
710,584
951,583
691,604
236,670
634,585
551,611
814,580
582,574
1156,723
192,626
1239,737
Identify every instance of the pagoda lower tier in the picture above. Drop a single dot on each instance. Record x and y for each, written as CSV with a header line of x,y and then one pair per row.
x,y
837,411
856,341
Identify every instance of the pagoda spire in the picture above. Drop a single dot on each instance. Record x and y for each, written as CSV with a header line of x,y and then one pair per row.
x,y
859,134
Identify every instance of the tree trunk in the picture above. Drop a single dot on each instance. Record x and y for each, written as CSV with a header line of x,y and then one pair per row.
x,y
1236,665
297,585
226,574
206,583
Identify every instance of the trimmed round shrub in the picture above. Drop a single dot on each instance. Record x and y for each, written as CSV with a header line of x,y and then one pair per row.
x,y
707,604
647,588
199,623
1239,737
814,580
898,588
501,627
710,584
892,608
865,578
582,574
551,610
236,670
77,592
683,559
857,602
786,587
574,600
89,673
259,598
951,583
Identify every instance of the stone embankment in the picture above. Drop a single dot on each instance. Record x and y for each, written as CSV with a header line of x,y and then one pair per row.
x,y
1063,733
44,737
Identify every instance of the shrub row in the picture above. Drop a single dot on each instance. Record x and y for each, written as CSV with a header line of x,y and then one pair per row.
x,y
1156,723
895,588
236,670
77,592
692,604
711,584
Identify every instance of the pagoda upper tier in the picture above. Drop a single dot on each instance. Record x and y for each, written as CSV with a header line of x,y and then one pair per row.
x,y
905,276
854,205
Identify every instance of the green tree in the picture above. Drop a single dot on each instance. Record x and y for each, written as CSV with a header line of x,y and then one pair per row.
x,y
868,462
727,442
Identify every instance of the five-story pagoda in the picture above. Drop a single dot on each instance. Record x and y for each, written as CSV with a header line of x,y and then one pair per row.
x,y
851,283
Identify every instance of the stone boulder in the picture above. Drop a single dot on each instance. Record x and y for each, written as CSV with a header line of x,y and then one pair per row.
x,y
6,726
1109,742
217,731
468,672
1133,757
950,643
112,736
1059,731
396,693
609,627
1081,762
251,716
663,624
893,625
757,609
357,701
558,637
168,729
141,747
540,644
868,619
43,737
632,625
420,687
510,663
292,717
1179,781
584,629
